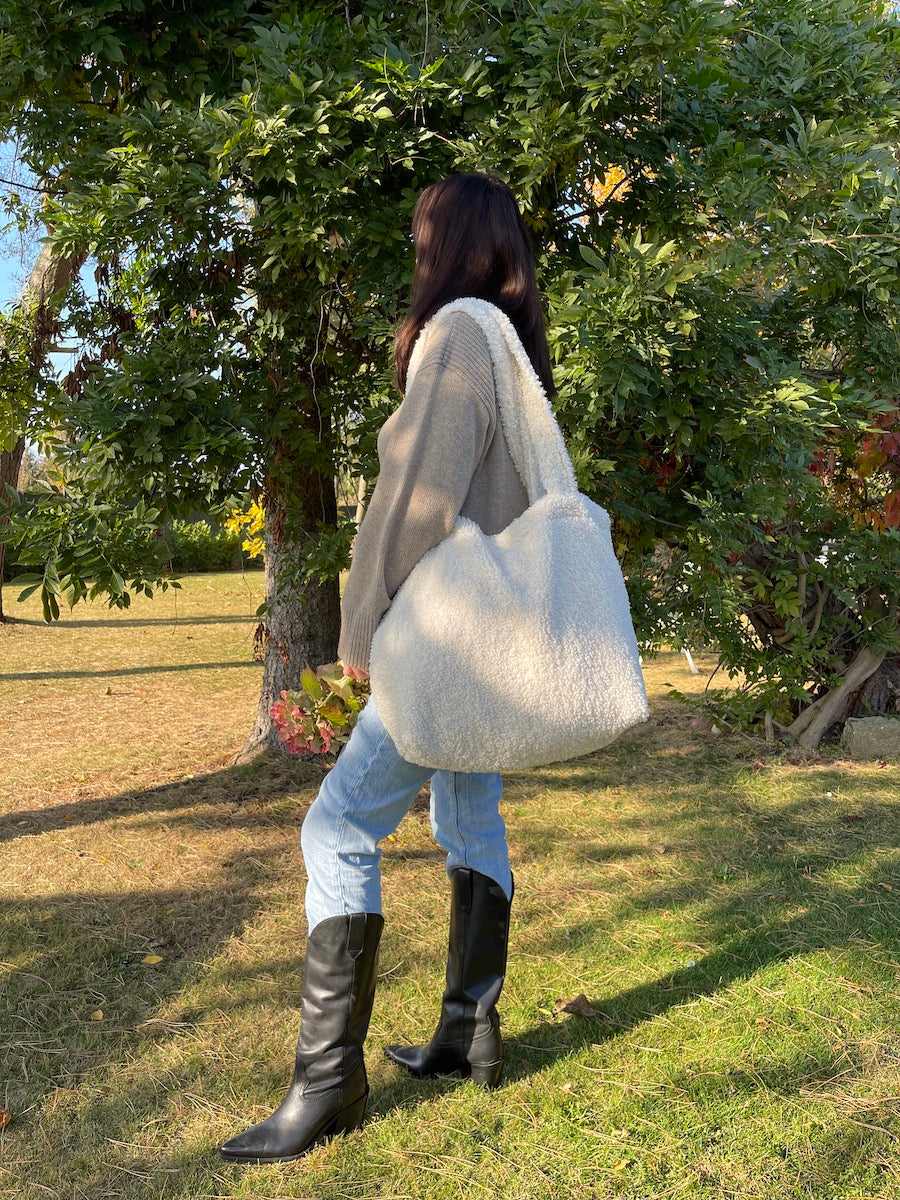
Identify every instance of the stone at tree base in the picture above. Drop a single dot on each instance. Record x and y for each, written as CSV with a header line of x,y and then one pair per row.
x,y
872,737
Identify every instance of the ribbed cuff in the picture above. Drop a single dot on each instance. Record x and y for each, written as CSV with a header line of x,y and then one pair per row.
x,y
355,643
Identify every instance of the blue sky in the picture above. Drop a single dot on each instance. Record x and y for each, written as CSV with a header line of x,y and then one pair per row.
x,y
16,254
11,271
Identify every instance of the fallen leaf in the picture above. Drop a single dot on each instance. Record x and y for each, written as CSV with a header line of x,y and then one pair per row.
x,y
568,1087
620,1164
579,1005
152,959
97,1014
5,1117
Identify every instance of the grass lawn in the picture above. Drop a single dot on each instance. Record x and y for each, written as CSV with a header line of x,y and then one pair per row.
x,y
731,912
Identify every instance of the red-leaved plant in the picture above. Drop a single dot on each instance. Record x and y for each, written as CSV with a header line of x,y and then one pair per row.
x,y
318,717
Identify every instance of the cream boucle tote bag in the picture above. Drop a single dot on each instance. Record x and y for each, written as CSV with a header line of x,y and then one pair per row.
x,y
515,649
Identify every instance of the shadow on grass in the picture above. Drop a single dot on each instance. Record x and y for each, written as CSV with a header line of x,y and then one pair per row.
x,y
132,622
773,859
155,669
83,1089
219,798
831,918
94,947
78,1084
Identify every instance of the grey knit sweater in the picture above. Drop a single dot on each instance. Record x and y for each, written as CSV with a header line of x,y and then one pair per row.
x,y
441,454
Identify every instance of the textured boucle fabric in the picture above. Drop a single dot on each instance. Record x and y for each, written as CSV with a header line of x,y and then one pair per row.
x,y
442,454
513,649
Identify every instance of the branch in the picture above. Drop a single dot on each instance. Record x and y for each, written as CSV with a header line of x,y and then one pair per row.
x,y
812,723
28,186
597,209
881,237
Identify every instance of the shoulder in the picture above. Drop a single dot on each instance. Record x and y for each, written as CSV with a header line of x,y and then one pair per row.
x,y
454,338
455,351
453,360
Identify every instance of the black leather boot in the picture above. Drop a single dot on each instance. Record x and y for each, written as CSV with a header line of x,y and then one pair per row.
x,y
467,1039
329,1090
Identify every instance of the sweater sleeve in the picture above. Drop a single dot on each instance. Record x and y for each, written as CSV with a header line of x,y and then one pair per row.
x,y
428,451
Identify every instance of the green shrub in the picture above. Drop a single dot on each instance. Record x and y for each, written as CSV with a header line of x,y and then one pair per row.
x,y
199,546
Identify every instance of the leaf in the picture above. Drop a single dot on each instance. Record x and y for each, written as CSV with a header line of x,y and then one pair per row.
x,y
331,713
5,1117
97,1014
311,684
579,1005
152,959
341,685
591,257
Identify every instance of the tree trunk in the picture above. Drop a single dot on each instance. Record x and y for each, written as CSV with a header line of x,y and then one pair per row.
x,y
300,626
42,296
880,693
810,727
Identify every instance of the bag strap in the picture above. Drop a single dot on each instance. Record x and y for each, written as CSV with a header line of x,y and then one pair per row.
x,y
532,433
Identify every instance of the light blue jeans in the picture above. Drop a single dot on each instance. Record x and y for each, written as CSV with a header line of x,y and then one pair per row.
x,y
366,795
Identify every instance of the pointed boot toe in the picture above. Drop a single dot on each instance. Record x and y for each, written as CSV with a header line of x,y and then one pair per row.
x,y
252,1146
303,1121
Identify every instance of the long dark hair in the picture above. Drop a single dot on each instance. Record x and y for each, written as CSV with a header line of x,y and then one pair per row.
x,y
471,240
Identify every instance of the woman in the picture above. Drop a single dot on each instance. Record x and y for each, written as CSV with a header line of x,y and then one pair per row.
x,y
442,454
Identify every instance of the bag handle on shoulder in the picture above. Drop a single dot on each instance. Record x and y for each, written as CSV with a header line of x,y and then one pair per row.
x,y
535,442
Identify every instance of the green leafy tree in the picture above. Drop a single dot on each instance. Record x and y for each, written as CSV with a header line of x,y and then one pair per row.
x,y
712,191
733,346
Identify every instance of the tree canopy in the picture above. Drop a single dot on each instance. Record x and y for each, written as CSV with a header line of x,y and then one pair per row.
x,y
712,192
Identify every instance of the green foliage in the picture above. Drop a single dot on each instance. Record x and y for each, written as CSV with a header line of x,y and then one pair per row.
x,y
198,546
16,377
724,314
730,347
82,547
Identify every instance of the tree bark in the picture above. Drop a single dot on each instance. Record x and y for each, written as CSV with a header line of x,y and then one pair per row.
x,y
301,626
42,296
810,727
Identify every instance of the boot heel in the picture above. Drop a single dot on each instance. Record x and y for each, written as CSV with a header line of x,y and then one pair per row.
x,y
351,1117
487,1075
